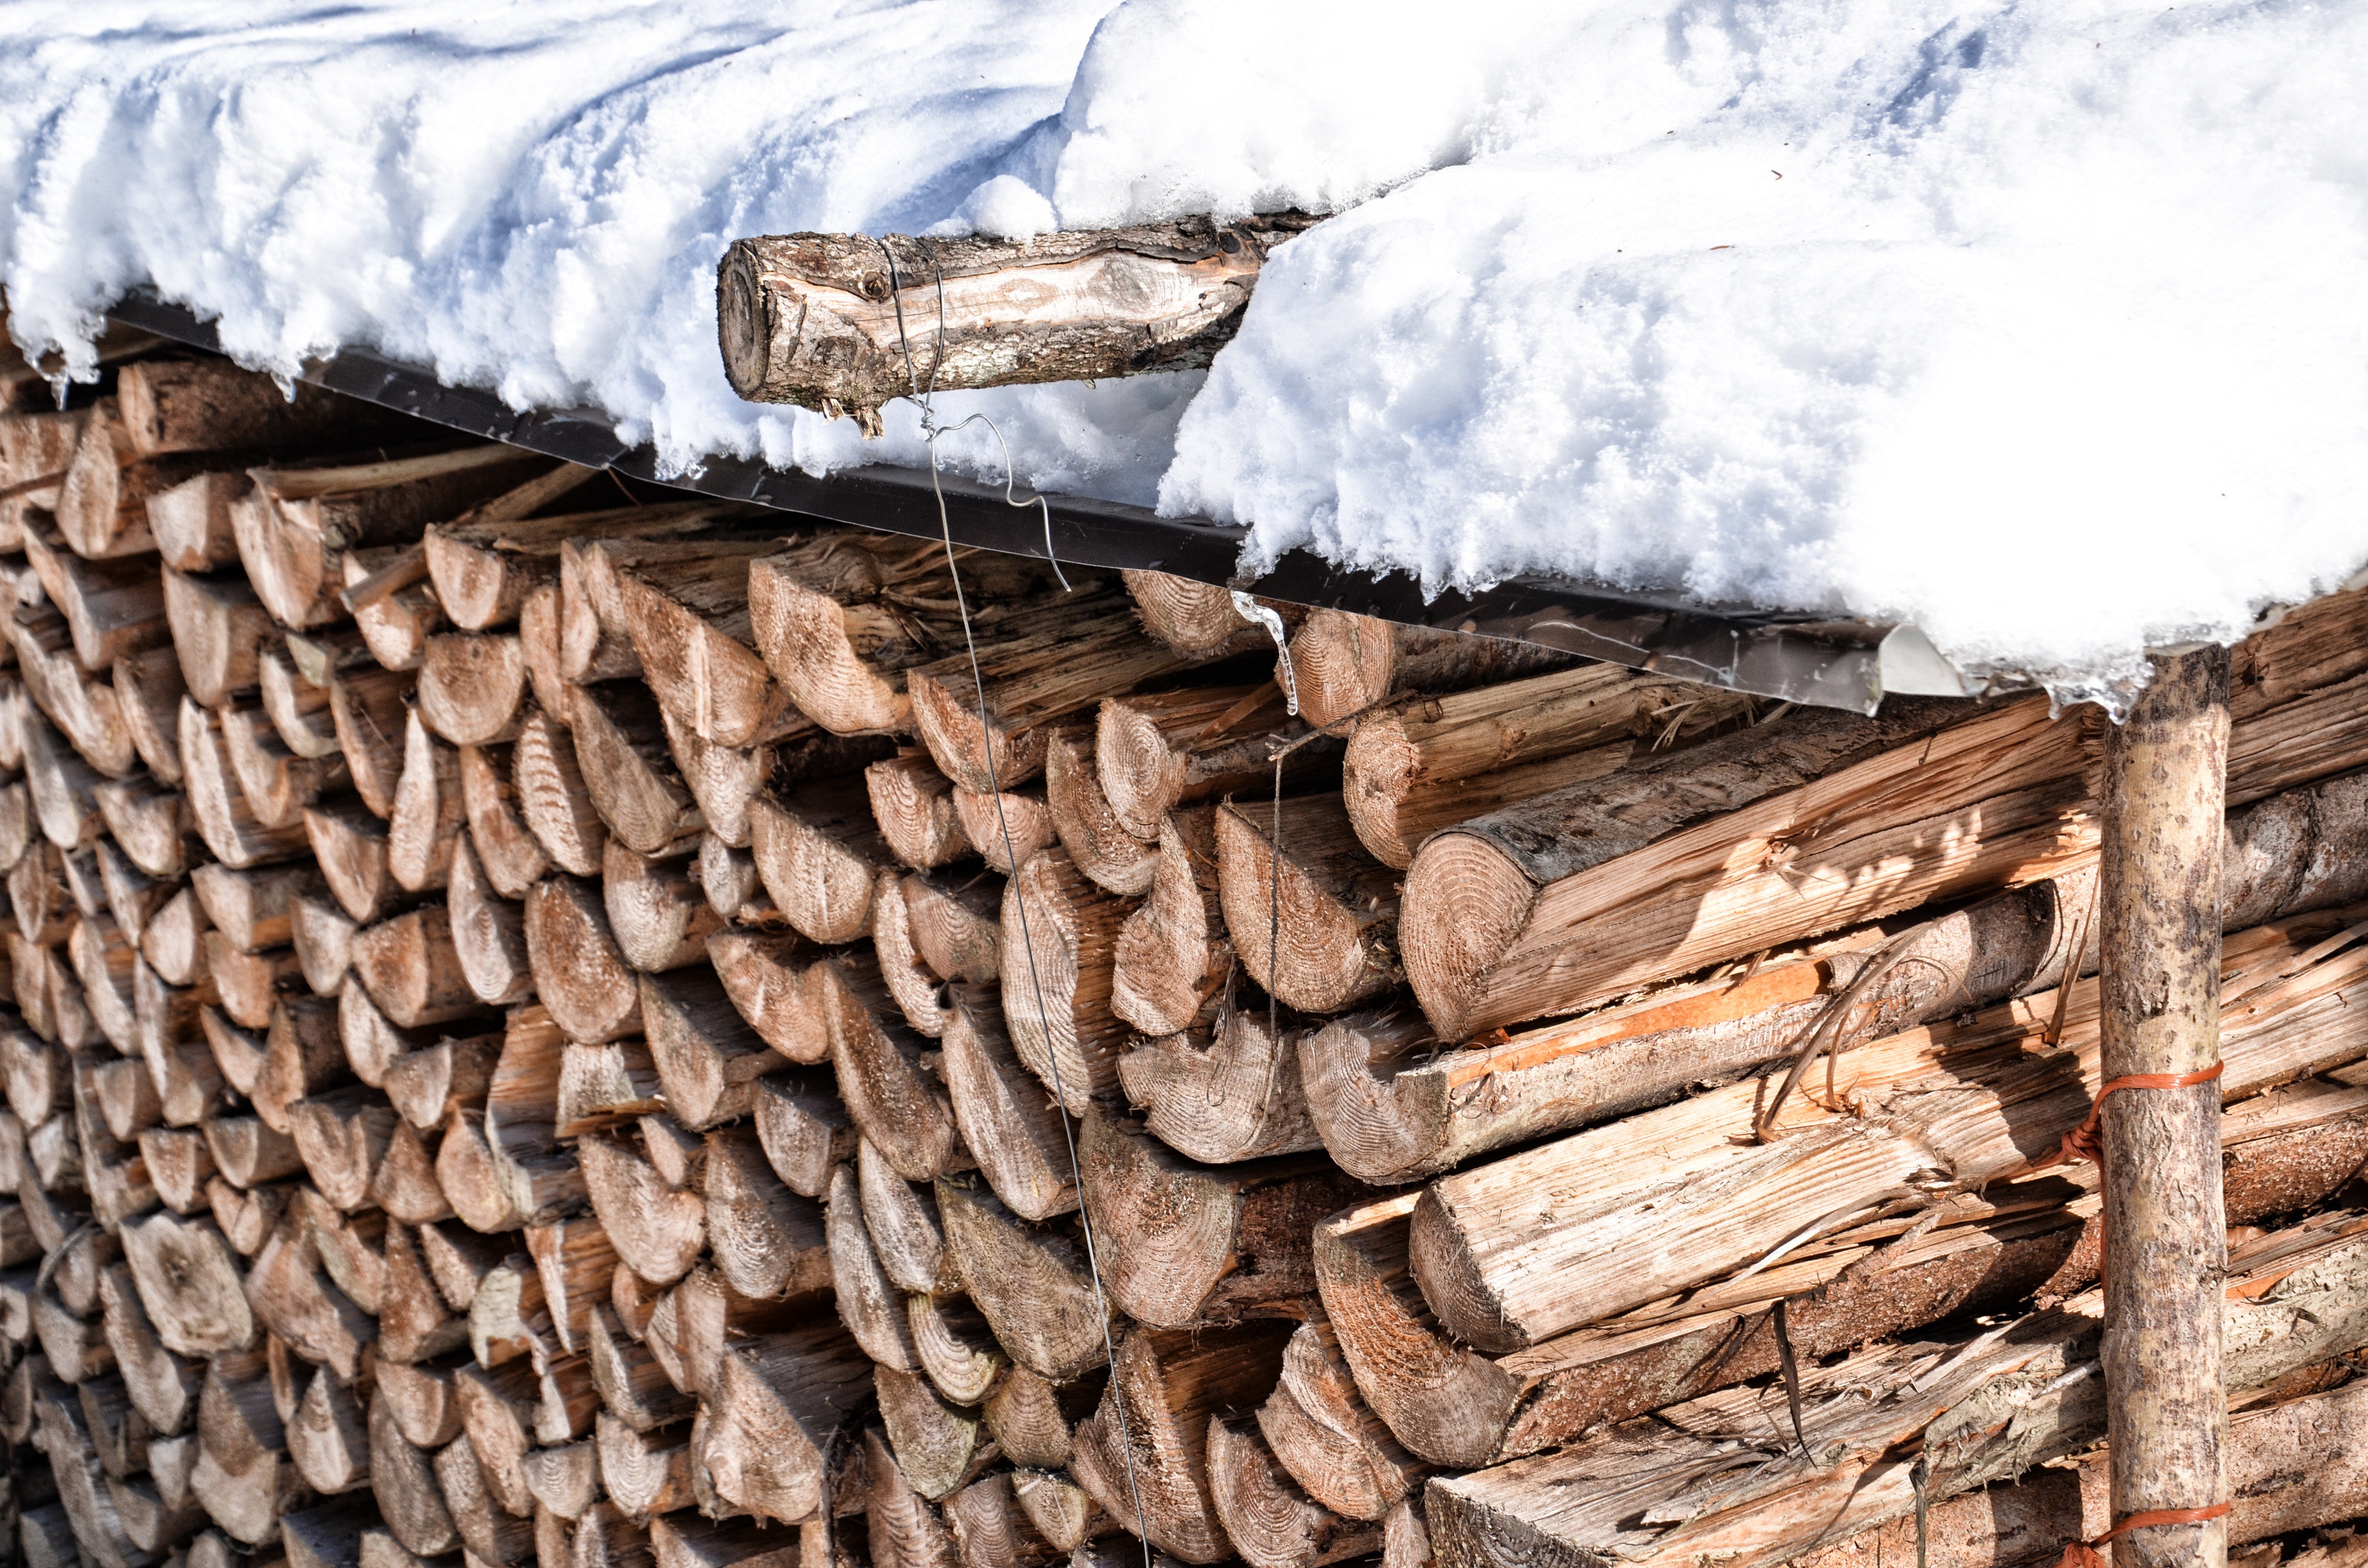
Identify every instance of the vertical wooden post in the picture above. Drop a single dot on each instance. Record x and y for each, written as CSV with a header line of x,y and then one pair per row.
x,y
2166,775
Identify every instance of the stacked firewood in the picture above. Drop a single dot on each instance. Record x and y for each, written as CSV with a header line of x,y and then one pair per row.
x,y
553,1021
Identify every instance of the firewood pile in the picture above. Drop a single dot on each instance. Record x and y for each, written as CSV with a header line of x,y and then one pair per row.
x,y
556,1023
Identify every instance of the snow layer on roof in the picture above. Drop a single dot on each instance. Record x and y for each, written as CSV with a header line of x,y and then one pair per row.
x,y
2042,327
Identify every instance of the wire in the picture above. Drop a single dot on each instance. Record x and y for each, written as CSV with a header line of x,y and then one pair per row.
x,y
995,788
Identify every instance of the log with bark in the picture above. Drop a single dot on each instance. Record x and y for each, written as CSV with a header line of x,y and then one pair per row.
x,y
821,319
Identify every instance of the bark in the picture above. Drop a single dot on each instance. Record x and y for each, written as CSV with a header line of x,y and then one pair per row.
x,y
1314,918
914,805
1167,1388
1059,941
552,797
1346,663
207,406
1272,1523
820,319
2165,792
1018,1136
1030,1282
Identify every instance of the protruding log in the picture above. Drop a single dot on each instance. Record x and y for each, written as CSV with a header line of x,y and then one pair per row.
x,y
914,804
488,931
813,319
1502,912
729,877
1062,1512
251,985
1156,750
1060,937
939,1447
1185,1244
658,1232
1271,1522
1313,917
1007,1123
818,853
768,1240
552,797
1168,1386
777,1399
581,976
1031,1283
295,526
878,1060
867,1299
209,405
1008,828
1346,663
1195,619
1232,1095
765,973
1414,769
627,769
178,1164
657,909
512,858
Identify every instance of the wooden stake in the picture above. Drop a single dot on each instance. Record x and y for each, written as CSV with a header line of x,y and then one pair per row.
x,y
2166,780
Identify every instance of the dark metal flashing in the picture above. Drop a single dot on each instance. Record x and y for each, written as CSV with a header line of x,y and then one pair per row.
x,y
1793,657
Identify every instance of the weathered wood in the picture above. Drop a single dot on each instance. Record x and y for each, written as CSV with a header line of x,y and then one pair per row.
x,y
990,1528
866,1299
819,852
707,1057
210,406
902,1530
224,819
1194,618
190,521
1030,1282
902,1217
878,1060
190,1284
656,1230
1016,1133
1269,1520
328,1439
1346,663
805,1129
690,621
657,909
428,814
605,1085
429,1083
471,685
777,1401
956,926
217,629
114,609
371,712
768,1240
1496,907
1167,1388
919,993
402,1481
1323,1432
765,973
956,1349
148,690
86,711
581,976
488,931
487,1531
628,771
150,825
1008,828
2159,899
552,797
510,857
295,526
1232,1094
1183,1243
297,706
411,970
1156,750
914,805
819,319
2003,1106
1059,943
937,1447
1314,918
1097,843
1031,1418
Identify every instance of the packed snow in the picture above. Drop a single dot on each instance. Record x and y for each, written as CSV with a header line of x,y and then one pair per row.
x,y
2044,327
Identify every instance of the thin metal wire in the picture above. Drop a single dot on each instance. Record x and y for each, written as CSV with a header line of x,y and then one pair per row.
x,y
1003,825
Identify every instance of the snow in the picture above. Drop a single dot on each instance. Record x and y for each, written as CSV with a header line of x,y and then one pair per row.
x,y
2043,327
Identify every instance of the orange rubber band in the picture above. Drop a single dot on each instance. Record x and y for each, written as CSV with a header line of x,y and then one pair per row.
x,y
2083,1554
2087,1141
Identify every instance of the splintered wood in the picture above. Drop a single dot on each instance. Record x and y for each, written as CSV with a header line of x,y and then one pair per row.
x,y
555,1025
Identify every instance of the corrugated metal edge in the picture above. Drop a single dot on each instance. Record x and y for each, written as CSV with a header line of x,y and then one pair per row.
x,y
1795,658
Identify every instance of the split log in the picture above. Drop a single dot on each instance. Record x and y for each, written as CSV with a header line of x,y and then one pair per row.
x,y
414,1323
1031,1283
645,1474
471,685
349,848
902,1219
634,1387
1059,943
1491,927
487,1531
1009,828
251,985
1032,1419
956,927
84,709
902,1530
1016,1135
914,805
816,319
1193,618
328,1439
411,970
991,1531
765,974
552,797
581,976
427,812
1346,663
250,1153
371,712
1415,769
878,1060
149,824
1167,1388
1323,1432
606,1084
1314,918
35,447
689,620
628,771
1072,652
218,629
1184,1243
937,1448
406,1186
114,609
729,877
224,820
2005,1104
297,706
1161,750
768,1240
576,1264
295,1299
957,1350
148,691
511,858
687,1540
488,932
706,1056
427,1085
658,1231
919,993
777,1399
866,1299
804,1127
657,909
190,521
296,525
403,1479
1097,843
59,783
178,1164
1229,1096
1271,1522
342,1137
819,853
